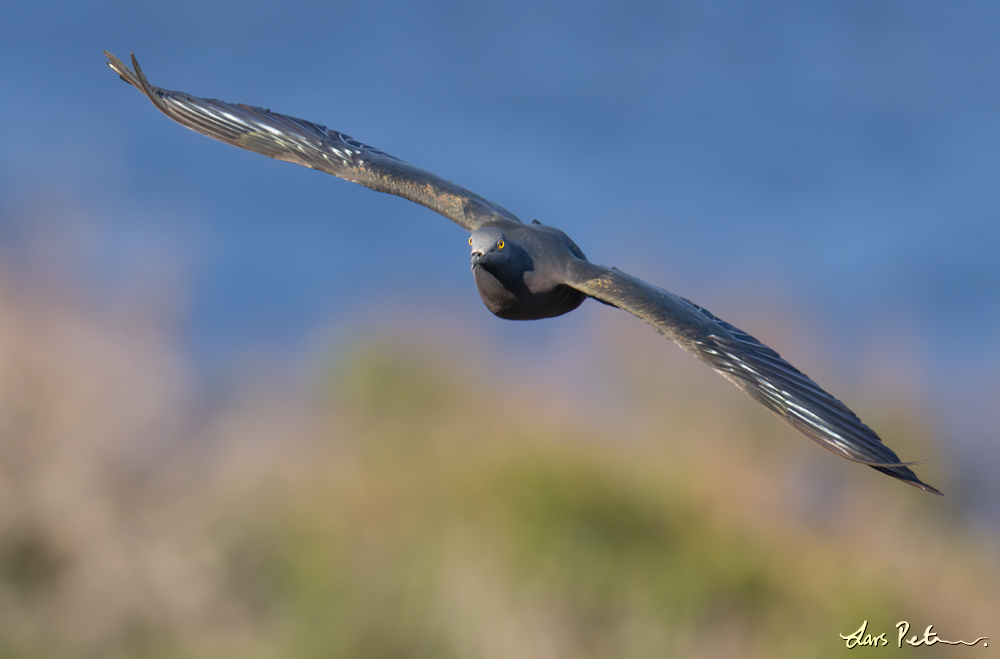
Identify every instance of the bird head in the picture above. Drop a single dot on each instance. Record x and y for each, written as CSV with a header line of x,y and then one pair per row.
x,y
489,247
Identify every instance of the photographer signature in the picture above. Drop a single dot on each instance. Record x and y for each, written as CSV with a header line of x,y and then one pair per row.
x,y
930,637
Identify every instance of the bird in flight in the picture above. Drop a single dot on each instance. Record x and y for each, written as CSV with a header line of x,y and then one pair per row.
x,y
532,271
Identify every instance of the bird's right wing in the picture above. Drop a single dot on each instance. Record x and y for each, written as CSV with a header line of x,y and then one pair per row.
x,y
312,145
748,363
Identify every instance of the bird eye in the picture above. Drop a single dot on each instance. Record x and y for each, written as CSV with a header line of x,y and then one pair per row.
x,y
470,240
500,245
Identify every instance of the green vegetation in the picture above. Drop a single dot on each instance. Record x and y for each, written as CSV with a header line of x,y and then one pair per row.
x,y
392,512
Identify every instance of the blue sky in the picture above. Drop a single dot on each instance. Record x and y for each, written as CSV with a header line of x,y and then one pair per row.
x,y
838,159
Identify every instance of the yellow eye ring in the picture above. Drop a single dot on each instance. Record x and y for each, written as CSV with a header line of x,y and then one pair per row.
x,y
470,240
500,245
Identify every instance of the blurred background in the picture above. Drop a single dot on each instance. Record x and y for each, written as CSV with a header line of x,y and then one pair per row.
x,y
250,410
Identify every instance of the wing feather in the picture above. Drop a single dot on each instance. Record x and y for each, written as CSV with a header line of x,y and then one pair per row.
x,y
313,145
752,366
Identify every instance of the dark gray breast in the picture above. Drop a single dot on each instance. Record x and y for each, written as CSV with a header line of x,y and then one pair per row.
x,y
507,296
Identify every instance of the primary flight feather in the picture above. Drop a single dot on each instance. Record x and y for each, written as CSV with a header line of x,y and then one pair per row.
x,y
531,271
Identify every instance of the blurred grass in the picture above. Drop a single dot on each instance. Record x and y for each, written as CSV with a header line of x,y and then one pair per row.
x,y
402,507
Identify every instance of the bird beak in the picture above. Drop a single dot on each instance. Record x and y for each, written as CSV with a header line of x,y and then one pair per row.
x,y
476,255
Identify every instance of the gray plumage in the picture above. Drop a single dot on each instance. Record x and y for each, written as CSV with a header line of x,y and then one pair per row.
x,y
532,271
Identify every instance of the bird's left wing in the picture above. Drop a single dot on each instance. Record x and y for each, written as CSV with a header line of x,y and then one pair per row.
x,y
748,363
312,145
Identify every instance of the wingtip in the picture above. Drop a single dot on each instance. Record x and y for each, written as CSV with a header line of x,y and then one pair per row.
x,y
119,67
135,77
113,62
139,74
929,488
902,473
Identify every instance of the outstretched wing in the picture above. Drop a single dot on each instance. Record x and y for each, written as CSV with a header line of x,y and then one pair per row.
x,y
305,143
748,363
